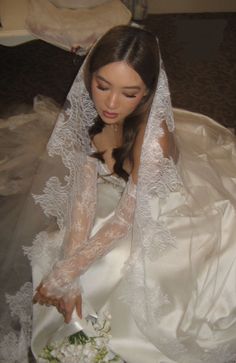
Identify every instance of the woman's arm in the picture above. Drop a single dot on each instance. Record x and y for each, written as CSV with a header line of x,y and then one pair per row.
x,y
61,280
73,265
69,268
80,224
60,287
83,212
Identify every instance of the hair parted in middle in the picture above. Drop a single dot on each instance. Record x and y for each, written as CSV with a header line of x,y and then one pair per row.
x,y
139,49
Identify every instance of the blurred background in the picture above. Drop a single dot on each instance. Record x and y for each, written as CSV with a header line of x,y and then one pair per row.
x,y
198,45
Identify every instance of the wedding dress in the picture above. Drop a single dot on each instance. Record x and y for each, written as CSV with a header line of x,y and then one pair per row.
x,y
169,281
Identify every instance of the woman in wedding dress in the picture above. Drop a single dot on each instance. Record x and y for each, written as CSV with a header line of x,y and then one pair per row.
x,y
141,207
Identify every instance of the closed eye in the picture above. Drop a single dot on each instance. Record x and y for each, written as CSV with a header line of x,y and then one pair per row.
x,y
129,96
102,88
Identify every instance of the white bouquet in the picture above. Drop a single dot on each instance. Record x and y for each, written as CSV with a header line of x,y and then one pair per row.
x,y
81,348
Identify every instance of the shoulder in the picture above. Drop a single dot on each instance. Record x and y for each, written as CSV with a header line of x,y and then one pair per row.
x,y
166,141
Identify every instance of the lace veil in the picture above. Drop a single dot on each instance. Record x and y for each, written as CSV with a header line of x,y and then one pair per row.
x,y
61,178
68,148
69,145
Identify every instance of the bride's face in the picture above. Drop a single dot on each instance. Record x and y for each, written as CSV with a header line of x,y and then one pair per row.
x,y
117,89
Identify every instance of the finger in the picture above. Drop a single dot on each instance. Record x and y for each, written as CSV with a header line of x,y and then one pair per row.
x,y
60,306
39,286
38,298
69,307
35,298
42,291
67,315
78,306
54,302
43,295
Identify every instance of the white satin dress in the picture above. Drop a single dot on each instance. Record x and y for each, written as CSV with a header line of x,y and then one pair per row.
x,y
198,274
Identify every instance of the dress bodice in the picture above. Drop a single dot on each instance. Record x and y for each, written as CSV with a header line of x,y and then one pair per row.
x,y
105,176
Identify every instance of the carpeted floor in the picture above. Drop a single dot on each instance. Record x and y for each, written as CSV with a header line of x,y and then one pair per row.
x,y
199,51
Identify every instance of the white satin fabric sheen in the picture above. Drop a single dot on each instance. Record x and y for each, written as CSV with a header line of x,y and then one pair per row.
x,y
196,275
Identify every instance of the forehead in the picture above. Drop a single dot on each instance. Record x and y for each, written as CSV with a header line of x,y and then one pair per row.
x,y
120,73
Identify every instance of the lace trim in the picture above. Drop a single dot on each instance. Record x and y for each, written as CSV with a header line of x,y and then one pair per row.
x,y
14,348
15,344
21,307
70,141
45,250
64,277
158,177
157,240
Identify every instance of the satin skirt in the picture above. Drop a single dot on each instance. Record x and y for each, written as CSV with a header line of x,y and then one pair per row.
x,y
198,274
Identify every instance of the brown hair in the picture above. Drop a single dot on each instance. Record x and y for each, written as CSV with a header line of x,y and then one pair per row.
x,y
139,48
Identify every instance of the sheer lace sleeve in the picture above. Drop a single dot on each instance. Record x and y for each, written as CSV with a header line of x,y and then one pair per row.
x,y
79,224
63,279
83,210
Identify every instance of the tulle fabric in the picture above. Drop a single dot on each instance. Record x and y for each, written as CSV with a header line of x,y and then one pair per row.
x,y
200,305
172,297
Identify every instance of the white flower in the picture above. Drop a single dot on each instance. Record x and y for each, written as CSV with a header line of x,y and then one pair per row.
x,y
80,348
42,360
89,350
70,360
72,350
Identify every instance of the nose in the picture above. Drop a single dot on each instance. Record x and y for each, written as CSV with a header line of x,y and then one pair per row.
x,y
112,101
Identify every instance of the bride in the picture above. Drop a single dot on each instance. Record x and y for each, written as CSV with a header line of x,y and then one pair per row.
x,y
140,208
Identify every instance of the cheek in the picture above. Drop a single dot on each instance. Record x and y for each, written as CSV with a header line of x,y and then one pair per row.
x,y
95,96
134,104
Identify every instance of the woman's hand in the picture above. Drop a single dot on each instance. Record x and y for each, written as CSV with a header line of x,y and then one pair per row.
x,y
65,305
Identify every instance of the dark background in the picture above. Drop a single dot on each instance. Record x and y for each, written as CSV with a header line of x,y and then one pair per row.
x,y
199,52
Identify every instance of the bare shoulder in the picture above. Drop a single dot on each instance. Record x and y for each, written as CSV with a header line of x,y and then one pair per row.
x,y
166,142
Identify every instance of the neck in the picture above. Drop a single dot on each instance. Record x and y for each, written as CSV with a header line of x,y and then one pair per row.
x,y
115,127
115,133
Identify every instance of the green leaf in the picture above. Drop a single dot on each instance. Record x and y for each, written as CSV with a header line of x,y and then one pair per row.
x,y
78,338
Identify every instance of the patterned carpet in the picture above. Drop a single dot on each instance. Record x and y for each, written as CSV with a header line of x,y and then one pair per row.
x,y
199,51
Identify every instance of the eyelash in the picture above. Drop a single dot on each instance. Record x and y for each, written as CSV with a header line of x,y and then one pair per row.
x,y
130,96
101,88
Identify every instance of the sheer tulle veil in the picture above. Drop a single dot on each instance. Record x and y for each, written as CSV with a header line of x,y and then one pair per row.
x,y
59,181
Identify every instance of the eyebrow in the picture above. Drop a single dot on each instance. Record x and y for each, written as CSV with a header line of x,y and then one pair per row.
x,y
126,87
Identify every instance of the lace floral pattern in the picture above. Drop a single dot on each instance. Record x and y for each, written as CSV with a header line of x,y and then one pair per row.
x,y
70,141
157,241
14,346
158,177
45,249
64,275
71,199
